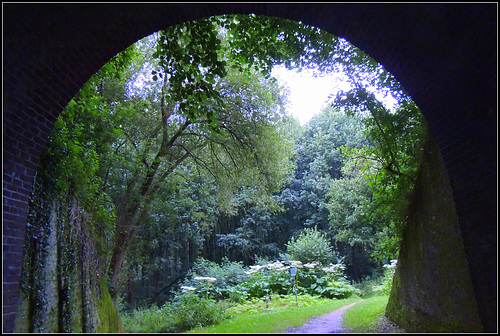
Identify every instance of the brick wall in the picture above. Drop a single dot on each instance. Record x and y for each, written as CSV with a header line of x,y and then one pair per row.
x,y
443,54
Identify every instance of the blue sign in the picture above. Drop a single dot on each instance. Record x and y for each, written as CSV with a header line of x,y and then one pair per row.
x,y
292,271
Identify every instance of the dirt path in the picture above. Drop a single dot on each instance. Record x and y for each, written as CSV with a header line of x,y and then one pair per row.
x,y
325,324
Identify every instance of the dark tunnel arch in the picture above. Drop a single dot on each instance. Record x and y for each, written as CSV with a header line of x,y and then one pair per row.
x,y
443,54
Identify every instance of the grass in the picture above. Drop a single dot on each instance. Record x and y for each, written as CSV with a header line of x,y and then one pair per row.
x,y
365,315
281,315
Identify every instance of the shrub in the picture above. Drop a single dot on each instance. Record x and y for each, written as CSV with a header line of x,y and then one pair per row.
x,y
380,286
370,287
196,307
275,278
192,311
311,245
327,282
150,320
187,312
227,276
340,289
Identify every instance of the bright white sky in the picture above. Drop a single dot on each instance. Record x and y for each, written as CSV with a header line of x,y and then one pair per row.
x,y
308,94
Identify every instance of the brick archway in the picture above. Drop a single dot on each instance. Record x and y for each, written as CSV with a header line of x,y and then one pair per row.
x,y
443,54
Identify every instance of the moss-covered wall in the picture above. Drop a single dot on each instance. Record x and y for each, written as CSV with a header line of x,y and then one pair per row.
x,y
432,289
64,288
109,321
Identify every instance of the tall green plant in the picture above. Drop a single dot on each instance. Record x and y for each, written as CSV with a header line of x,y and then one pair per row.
x,y
311,245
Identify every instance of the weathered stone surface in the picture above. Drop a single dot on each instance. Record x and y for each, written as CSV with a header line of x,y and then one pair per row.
x,y
432,290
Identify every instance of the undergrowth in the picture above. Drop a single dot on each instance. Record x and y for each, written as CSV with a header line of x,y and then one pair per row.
x,y
226,305
258,315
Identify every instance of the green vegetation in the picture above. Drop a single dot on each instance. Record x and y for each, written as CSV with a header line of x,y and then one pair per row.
x,y
177,176
282,314
311,245
254,301
364,316
254,316
380,286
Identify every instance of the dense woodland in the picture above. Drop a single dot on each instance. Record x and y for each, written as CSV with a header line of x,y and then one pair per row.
x,y
180,153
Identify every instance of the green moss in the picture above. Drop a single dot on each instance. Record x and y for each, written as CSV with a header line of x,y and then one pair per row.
x,y
109,320
21,321
401,315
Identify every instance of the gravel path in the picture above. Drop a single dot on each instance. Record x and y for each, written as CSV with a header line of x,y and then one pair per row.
x,y
325,324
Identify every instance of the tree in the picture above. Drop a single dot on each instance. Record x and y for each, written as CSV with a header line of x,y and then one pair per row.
x,y
249,233
389,162
196,54
248,148
193,60
319,162
352,229
182,216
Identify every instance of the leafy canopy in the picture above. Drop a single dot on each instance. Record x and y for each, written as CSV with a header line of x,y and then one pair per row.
x,y
195,54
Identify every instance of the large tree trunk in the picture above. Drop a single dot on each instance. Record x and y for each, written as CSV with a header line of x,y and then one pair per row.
x,y
115,265
133,208
157,277
355,269
129,221
131,294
